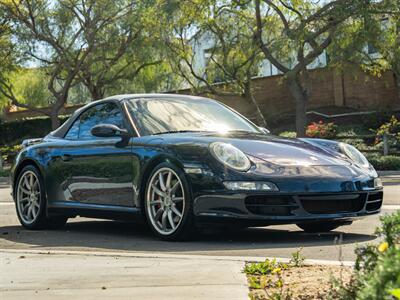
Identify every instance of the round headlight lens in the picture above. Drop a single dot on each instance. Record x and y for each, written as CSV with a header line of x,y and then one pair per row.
x,y
230,156
354,155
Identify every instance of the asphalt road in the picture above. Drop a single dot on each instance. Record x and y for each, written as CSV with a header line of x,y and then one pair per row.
x,y
274,241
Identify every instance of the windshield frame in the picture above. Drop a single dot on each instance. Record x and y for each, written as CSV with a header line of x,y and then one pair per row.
x,y
132,117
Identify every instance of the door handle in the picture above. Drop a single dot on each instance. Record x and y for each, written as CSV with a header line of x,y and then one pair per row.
x,y
66,157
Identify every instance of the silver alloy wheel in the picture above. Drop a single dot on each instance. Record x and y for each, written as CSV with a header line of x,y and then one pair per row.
x,y
165,201
28,197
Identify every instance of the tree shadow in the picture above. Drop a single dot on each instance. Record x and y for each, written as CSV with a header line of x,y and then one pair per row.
x,y
112,235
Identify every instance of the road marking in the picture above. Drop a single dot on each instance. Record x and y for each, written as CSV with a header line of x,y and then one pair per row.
x,y
174,256
6,203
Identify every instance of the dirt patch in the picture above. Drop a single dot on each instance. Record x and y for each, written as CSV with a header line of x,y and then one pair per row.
x,y
300,283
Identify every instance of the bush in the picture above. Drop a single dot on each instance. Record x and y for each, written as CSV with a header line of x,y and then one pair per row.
x,y
288,134
321,130
376,119
384,163
377,268
8,153
391,127
4,172
12,133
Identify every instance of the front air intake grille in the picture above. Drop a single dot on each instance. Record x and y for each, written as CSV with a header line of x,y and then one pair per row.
x,y
269,205
374,201
333,203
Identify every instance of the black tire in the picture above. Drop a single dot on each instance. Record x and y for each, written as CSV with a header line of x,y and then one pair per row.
x,y
186,227
41,221
320,226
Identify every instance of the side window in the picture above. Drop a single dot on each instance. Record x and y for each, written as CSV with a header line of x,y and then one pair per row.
x,y
73,132
107,113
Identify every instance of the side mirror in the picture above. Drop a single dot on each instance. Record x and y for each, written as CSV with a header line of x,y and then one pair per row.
x,y
108,130
264,130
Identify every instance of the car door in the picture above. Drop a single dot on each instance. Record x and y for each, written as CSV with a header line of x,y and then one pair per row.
x,y
97,170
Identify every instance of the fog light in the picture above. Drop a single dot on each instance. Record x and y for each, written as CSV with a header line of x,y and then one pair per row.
x,y
250,186
378,183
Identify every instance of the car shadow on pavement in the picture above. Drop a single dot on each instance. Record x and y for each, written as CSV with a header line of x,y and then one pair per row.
x,y
113,235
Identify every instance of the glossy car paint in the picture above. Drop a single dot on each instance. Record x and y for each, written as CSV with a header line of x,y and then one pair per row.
x,y
107,178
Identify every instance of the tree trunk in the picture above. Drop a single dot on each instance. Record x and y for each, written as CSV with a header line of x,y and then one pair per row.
x,y
397,82
96,93
300,96
55,121
260,120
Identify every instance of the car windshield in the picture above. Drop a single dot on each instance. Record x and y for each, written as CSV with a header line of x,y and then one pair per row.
x,y
155,116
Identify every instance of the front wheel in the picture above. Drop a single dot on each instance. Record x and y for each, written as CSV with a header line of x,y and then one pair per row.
x,y
320,226
168,203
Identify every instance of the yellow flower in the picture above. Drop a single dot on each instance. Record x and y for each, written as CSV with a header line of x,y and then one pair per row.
x,y
383,247
276,270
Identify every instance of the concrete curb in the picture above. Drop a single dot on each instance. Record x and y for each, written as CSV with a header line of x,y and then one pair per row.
x,y
156,255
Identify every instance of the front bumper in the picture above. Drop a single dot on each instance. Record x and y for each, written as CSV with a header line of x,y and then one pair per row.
x,y
287,208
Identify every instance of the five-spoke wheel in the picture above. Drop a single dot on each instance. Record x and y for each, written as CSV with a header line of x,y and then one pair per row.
x,y
167,202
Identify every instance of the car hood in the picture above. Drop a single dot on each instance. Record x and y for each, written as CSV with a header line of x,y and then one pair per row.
x,y
273,149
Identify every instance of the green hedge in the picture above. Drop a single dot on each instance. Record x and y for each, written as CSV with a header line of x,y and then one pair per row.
x,y
14,132
385,163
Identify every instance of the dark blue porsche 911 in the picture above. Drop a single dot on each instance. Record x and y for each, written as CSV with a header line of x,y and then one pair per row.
x,y
183,162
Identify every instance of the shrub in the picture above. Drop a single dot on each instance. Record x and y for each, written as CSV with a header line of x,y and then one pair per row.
x,y
8,153
375,120
14,132
288,134
377,268
384,163
264,268
391,127
4,173
321,130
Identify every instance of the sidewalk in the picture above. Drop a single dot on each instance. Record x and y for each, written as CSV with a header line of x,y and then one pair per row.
x,y
62,276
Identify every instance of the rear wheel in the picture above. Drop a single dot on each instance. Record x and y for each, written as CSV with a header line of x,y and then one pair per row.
x,y
320,226
168,203
30,201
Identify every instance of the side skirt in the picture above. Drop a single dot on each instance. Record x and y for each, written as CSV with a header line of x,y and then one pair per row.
x,y
74,209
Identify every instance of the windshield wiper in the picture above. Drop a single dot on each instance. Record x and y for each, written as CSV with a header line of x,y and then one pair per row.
x,y
240,131
178,131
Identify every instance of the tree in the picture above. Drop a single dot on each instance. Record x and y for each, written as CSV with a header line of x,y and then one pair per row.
x,y
49,35
123,49
94,42
373,40
232,56
30,86
293,34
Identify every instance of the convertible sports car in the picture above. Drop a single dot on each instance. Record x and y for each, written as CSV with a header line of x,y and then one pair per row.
x,y
184,162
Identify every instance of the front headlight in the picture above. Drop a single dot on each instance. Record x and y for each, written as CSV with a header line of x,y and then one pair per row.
x,y
230,156
355,155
